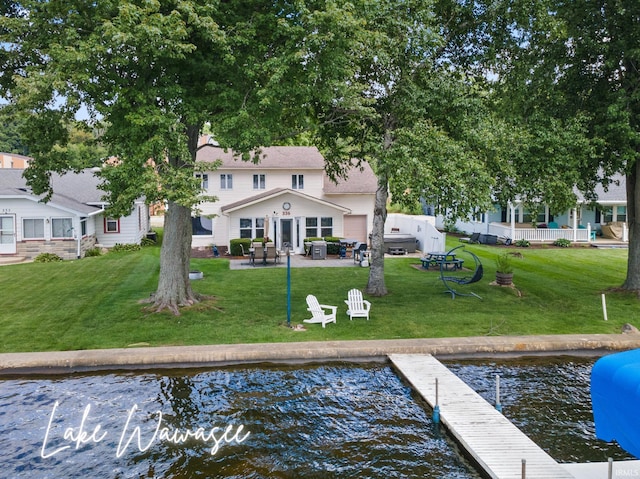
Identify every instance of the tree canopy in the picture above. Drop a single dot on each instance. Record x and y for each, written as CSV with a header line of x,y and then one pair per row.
x,y
568,71
150,74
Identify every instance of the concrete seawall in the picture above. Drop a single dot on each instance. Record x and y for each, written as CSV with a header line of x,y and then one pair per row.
x,y
363,350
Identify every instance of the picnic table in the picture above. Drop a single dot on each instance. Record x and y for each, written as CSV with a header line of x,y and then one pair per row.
x,y
442,259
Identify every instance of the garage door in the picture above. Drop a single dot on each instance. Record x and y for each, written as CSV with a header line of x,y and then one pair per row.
x,y
355,227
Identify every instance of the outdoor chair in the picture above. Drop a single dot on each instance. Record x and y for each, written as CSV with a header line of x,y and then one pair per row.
x,y
320,313
272,253
475,237
356,306
450,281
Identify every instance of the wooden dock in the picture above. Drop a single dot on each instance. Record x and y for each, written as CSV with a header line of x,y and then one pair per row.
x,y
495,444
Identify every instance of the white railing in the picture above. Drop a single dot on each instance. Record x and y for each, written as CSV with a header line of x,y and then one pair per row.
x,y
542,235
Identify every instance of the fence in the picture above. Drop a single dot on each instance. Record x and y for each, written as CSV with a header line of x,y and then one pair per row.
x,y
542,235
421,226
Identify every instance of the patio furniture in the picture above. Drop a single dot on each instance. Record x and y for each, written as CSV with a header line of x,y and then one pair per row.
x,y
320,313
442,258
271,253
451,281
356,306
474,238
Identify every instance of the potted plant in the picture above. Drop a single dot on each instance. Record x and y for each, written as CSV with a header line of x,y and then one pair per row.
x,y
504,270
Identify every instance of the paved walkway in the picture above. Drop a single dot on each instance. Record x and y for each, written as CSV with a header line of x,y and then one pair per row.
x,y
362,350
301,261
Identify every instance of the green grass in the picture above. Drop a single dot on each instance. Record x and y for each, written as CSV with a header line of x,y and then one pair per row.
x,y
94,302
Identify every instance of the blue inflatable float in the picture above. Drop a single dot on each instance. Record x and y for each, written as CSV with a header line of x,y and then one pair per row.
x,y
615,398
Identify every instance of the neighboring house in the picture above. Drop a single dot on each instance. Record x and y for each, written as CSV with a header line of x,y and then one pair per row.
x,y
72,222
11,160
607,217
286,197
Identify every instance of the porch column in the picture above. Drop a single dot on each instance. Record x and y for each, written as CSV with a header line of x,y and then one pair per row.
x,y
512,212
575,224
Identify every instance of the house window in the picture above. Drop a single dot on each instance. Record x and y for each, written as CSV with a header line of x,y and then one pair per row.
x,y
62,228
621,213
201,226
311,230
111,225
297,182
33,228
204,180
259,228
607,214
226,181
246,228
259,182
478,216
83,226
326,227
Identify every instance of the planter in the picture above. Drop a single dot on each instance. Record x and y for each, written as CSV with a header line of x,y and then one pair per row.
x,y
195,275
504,279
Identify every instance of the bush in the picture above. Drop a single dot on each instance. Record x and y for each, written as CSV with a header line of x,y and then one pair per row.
x,y
120,248
93,252
234,245
47,258
146,241
522,243
562,243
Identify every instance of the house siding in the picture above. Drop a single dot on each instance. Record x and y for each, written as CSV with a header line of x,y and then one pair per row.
x,y
132,228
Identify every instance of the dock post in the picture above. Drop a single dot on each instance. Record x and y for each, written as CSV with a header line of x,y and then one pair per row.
x,y
436,408
610,474
524,469
498,405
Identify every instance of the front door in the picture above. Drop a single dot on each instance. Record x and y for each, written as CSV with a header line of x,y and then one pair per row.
x,y
7,234
286,231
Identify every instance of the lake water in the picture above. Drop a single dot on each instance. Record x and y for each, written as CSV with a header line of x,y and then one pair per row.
x,y
331,420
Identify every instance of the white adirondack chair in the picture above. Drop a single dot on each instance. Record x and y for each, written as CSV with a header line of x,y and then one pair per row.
x,y
320,313
356,306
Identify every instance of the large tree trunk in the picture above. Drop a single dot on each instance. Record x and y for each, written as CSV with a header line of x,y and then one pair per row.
x,y
376,285
174,287
632,282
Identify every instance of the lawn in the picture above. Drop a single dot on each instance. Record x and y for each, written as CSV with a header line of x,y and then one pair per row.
x,y
95,302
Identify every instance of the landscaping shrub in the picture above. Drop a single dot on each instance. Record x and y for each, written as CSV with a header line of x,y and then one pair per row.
x,y
522,243
562,243
147,241
120,248
235,246
47,258
93,252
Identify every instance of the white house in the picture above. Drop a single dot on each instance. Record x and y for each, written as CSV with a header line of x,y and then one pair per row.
x,y
286,197
69,224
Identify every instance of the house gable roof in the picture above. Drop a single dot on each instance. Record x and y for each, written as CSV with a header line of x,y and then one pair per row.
x,y
616,192
360,180
272,157
274,193
74,192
